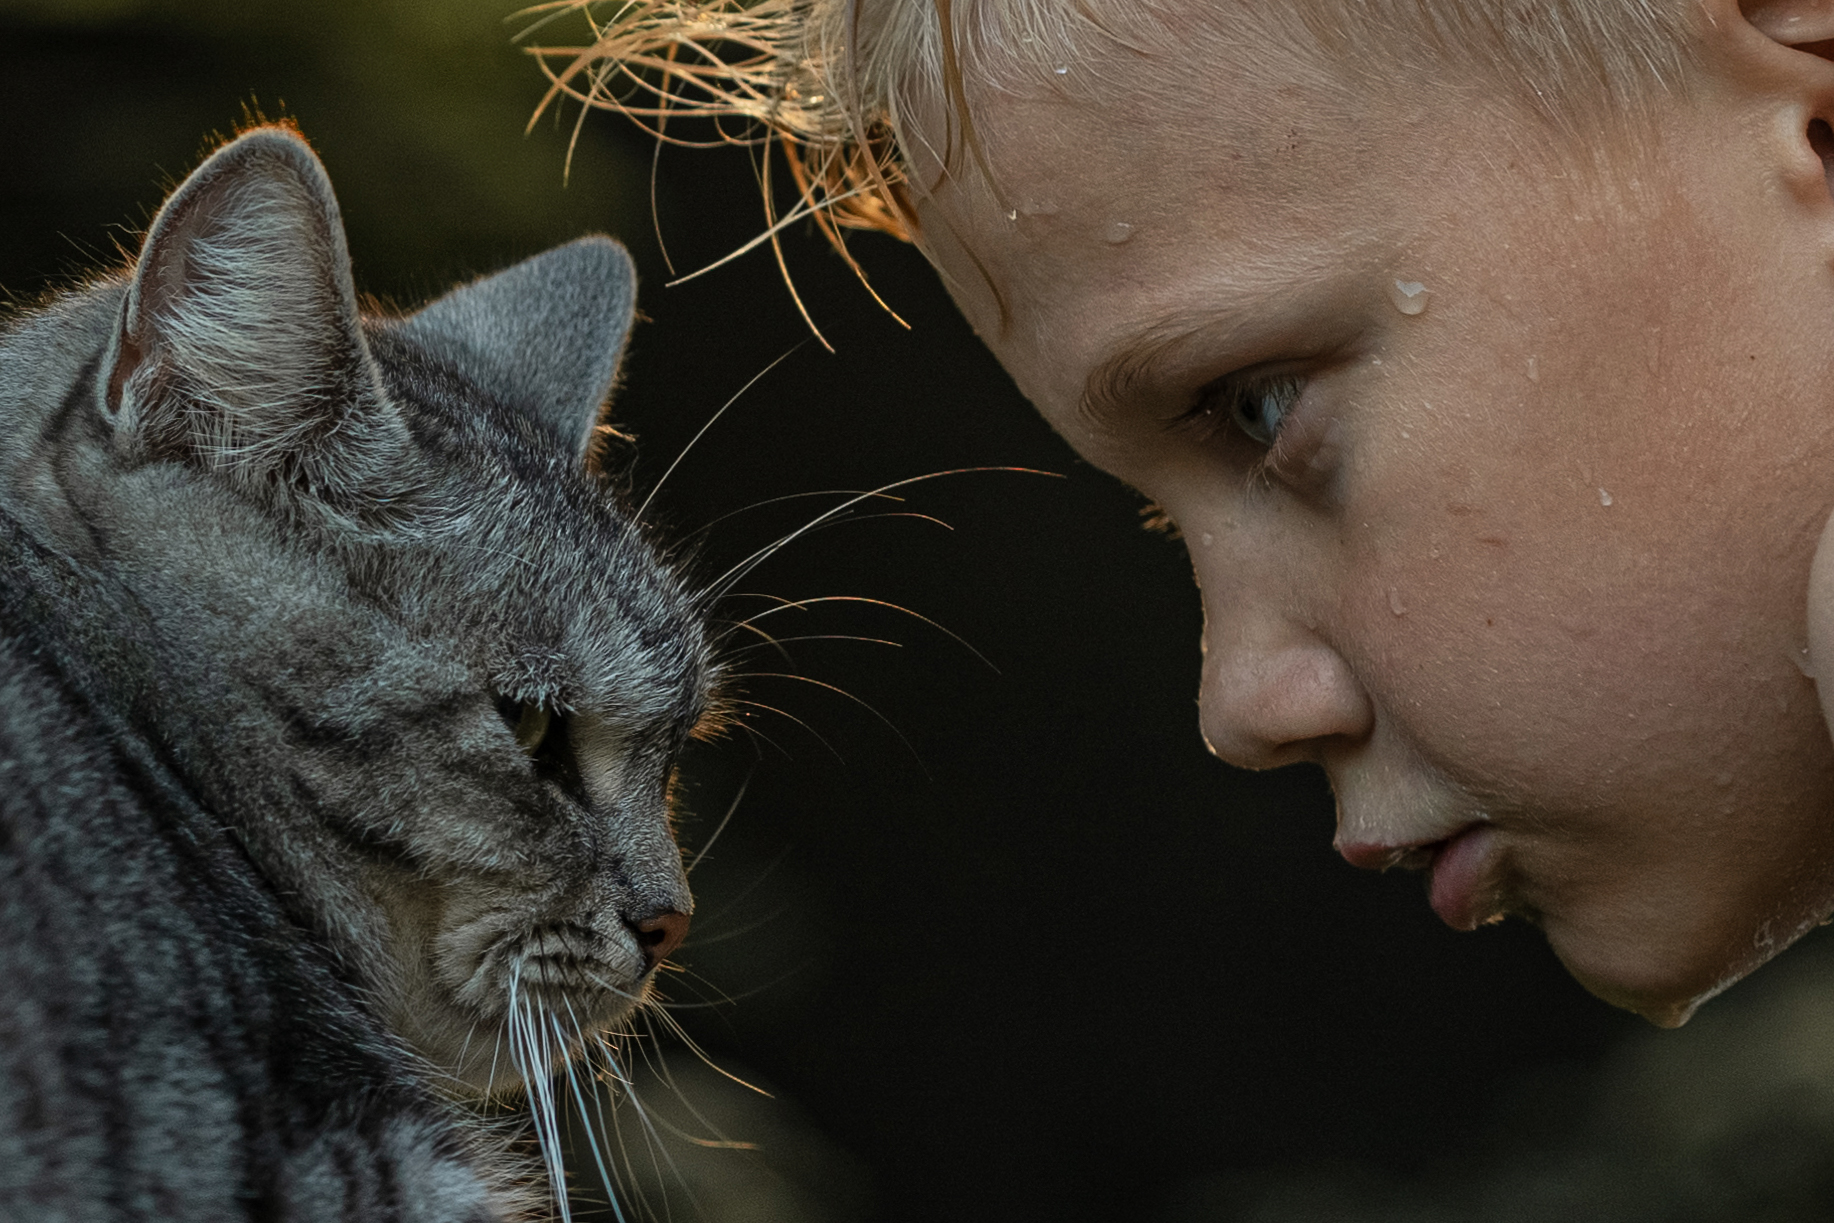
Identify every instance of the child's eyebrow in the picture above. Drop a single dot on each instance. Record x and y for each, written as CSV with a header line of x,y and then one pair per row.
x,y
1109,388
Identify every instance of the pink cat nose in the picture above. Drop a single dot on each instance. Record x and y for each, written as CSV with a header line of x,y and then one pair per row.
x,y
661,935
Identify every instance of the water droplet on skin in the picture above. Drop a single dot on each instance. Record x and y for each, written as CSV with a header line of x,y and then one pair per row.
x,y
1117,232
1394,602
1062,70
1409,296
1534,371
1604,498
1804,664
1208,539
1012,214
1038,208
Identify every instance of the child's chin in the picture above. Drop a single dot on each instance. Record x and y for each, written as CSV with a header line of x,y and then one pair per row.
x,y
1663,983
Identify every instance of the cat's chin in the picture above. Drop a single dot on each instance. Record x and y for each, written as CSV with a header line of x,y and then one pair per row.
x,y
493,992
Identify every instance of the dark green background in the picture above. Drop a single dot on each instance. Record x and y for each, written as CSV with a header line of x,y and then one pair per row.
x,y
1053,962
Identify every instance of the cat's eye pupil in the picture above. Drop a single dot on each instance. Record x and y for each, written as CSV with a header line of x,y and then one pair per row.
x,y
527,720
510,710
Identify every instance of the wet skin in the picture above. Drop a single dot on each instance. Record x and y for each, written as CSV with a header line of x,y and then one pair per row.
x,y
1525,571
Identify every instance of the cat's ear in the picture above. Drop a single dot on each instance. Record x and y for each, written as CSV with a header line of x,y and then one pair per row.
x,y
239,346
543,336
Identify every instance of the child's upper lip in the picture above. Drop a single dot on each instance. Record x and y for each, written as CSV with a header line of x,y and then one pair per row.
x,y
1408,856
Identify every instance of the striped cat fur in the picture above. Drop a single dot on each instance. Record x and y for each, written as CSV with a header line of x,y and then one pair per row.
x,y
339,700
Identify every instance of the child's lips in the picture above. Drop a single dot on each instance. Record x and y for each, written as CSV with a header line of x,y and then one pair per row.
x,y
1460,866
1461,870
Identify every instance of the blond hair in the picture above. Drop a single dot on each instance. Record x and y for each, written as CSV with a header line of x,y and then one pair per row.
x,y
833,82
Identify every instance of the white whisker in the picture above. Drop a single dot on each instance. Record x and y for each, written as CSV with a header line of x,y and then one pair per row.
x,y
711,421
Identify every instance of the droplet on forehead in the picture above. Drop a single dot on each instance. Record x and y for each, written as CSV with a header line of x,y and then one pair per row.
x,y
1604,498
1409,296
1062,70
1395,604
1117,232
1534,370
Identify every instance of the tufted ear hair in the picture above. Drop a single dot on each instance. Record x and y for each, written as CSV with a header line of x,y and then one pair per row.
x,y
544,336
239,347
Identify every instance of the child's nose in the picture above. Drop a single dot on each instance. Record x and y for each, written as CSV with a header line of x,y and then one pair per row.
x,y
1273,693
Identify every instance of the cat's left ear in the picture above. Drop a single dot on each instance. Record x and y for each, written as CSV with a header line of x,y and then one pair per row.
x,y
239,348
544,336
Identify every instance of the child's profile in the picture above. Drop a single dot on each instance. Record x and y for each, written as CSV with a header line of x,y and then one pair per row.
x,y
1480,352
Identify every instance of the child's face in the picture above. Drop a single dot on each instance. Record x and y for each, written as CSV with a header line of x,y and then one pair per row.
x,y
1524,571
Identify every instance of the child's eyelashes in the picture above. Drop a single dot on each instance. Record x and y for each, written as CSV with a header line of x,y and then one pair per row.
x,y
1258,407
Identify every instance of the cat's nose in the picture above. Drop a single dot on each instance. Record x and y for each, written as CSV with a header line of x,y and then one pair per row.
x,y
660,935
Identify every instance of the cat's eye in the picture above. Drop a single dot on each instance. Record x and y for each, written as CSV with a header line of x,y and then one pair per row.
x,y
1258,407
527,720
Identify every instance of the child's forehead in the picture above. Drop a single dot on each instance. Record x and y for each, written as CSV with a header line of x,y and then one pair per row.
x,y
1116,106
1106,184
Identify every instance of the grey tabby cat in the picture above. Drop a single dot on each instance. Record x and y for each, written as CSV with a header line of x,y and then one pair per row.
x,y
338,705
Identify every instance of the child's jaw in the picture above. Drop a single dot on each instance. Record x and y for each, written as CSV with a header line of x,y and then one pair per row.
x,y
1538,552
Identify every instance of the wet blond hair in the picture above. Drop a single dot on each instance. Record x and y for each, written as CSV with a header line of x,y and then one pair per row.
x,y
834,83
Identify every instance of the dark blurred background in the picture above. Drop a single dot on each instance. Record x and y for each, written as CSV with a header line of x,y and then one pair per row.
x,y
1008,945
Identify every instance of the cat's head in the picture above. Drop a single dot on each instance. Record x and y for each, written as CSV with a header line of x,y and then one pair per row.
x,y
411,642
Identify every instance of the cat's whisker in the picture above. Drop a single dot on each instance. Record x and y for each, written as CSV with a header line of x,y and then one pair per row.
x,y
748,889
731,810
800,604
768,501
755,733
778,643
681,1034
839,691
601,1089
651,1129
538,1077
722,583
823,524
579,1101
751,704
612,1072
657,1002
727,935
711,421
466,1047
659,1069
768,641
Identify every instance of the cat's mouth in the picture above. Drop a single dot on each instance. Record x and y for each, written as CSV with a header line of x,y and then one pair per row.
x,y
508,997
563,966
559,963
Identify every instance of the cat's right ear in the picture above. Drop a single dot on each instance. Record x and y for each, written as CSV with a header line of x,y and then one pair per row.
x,y
545,336
239,347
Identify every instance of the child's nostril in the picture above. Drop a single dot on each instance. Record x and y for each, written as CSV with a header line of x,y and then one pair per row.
x,y
660,935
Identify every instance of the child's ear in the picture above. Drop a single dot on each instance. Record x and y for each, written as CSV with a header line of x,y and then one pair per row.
x,y
1778,29
1804,25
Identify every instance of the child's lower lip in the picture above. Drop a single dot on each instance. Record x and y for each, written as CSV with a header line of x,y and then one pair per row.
x,y
1460,869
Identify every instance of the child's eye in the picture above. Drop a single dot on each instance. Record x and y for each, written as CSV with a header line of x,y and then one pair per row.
x,y
1257,407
